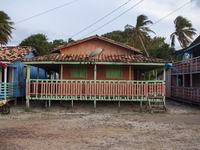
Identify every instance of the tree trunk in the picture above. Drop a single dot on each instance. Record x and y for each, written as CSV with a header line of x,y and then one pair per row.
x,y
145,50
143,46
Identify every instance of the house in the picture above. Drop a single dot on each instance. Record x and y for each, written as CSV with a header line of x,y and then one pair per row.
x,y
113,75
167,82
185,84
13,72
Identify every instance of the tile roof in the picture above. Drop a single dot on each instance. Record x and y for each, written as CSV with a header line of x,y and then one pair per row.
x,y
15,53
100,58
57,49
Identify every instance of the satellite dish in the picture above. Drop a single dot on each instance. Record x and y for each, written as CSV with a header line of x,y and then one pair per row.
x,y
96,52
186,57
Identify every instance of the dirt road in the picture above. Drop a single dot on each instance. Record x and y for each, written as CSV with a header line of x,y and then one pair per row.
x,y
179,128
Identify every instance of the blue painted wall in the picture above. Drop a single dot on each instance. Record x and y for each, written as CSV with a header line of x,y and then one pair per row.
x,y
19,75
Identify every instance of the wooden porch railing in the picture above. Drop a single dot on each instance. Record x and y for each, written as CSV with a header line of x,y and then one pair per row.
x,y
187,65
185,93
8,90
90,90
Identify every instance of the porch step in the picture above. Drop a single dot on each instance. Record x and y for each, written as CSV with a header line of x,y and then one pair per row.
x,y
157,105
156,102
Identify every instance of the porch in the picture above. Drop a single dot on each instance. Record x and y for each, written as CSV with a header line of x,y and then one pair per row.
x,y
186,94
99,90
8,90
190,65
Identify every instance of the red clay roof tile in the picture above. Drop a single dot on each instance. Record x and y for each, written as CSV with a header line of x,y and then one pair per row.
x,y
100,58
15,53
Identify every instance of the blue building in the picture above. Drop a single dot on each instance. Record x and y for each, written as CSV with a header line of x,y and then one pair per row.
x,y
13,72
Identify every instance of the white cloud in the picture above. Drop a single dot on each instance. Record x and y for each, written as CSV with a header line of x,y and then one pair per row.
x,y
66,21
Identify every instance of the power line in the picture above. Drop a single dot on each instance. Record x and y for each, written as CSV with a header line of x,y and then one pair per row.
x,y
46,11
171,13
101,19
114,18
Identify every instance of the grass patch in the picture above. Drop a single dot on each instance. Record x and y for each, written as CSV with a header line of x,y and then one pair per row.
x,y
29,110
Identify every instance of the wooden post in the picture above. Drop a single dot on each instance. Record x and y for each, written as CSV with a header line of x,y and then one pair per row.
x,y
129,72
119,107
15,102
156,77
38,73
164,74
27,103
5,75
95,74
45,103
5,81
72,105
94,105
61,72
140,106
28,80
49,104
176,80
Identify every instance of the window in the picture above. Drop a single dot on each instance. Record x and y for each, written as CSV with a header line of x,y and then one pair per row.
x,y
180,80
113,71
78,71
194,80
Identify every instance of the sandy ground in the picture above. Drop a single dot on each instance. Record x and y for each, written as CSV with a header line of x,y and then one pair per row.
x,y
59,129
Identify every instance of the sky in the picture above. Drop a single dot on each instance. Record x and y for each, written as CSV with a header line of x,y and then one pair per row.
x,y
64,19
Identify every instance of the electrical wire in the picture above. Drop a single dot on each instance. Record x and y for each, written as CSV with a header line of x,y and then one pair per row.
x,y
46,11
113,19
171,13
101,19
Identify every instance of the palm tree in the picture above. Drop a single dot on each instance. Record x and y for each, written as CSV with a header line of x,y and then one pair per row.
x,y
141,31
5,28
184,32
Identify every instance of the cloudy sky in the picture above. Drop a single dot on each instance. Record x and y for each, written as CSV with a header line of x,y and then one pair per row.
x,y
62,19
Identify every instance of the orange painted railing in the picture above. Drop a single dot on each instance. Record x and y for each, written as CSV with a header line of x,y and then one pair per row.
x,y
185,93
44,88
187,65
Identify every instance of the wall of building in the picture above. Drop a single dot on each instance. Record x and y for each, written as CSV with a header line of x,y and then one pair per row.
x,y
170,81
101,73
89,46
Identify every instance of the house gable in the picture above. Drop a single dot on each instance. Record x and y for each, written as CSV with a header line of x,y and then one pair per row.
x,y
87,45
